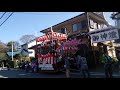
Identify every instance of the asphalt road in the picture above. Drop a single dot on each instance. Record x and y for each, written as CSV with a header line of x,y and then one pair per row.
x,y
16,73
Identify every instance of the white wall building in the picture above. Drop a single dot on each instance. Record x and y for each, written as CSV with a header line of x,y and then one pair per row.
x,y
24,50
29,52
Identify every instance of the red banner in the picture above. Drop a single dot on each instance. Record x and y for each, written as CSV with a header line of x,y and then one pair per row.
x,y
48,58
50,36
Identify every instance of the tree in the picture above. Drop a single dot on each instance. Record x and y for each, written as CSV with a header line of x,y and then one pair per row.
x,y
18,56
3,48
27,58
15,45
3,56
27,38
9,44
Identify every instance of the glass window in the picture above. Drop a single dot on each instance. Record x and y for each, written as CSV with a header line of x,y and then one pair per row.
x,y
79,27
74,27
101,25
30,52
95,26
91,23
98,26
63,30
118,24
59,31
84,24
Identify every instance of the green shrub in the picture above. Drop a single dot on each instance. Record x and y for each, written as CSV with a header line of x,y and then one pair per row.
x,y
11,63
32,59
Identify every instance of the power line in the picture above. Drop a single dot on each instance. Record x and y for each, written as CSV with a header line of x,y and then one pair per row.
x,y
2,15
6,19
44,14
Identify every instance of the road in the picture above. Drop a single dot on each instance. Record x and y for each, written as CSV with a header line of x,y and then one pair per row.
x,y
16,73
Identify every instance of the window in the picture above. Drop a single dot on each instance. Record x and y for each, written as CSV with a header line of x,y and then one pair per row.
x,y
75,27
30,52
83,24
118,23
91,24
103,26
59,31
95,26
79,26
98,26
63,30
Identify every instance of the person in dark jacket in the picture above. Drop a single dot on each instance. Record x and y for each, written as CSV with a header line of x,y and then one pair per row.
x,y
8,66
83,66
108,65
27,66
67,66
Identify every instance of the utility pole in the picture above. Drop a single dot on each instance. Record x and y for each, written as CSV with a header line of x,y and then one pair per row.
x,y
12,50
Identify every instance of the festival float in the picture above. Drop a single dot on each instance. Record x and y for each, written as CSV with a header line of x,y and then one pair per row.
x,y
49,58
71,47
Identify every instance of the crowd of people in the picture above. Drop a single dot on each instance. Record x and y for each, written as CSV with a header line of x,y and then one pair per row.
x,y
82,65
28,66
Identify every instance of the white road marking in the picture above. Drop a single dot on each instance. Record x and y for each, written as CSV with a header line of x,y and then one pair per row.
x,y
2,76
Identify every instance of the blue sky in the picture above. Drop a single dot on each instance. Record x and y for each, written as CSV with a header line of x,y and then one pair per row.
x,y
30,23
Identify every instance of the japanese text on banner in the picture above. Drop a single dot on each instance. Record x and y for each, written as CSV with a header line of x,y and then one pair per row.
x,y
105,36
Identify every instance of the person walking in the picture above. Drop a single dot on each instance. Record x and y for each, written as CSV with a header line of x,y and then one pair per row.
x,y
27,66
23,65
82,64
67,66
8,66
108,65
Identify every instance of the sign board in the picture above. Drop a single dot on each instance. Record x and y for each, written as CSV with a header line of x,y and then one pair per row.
x,y
105,36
